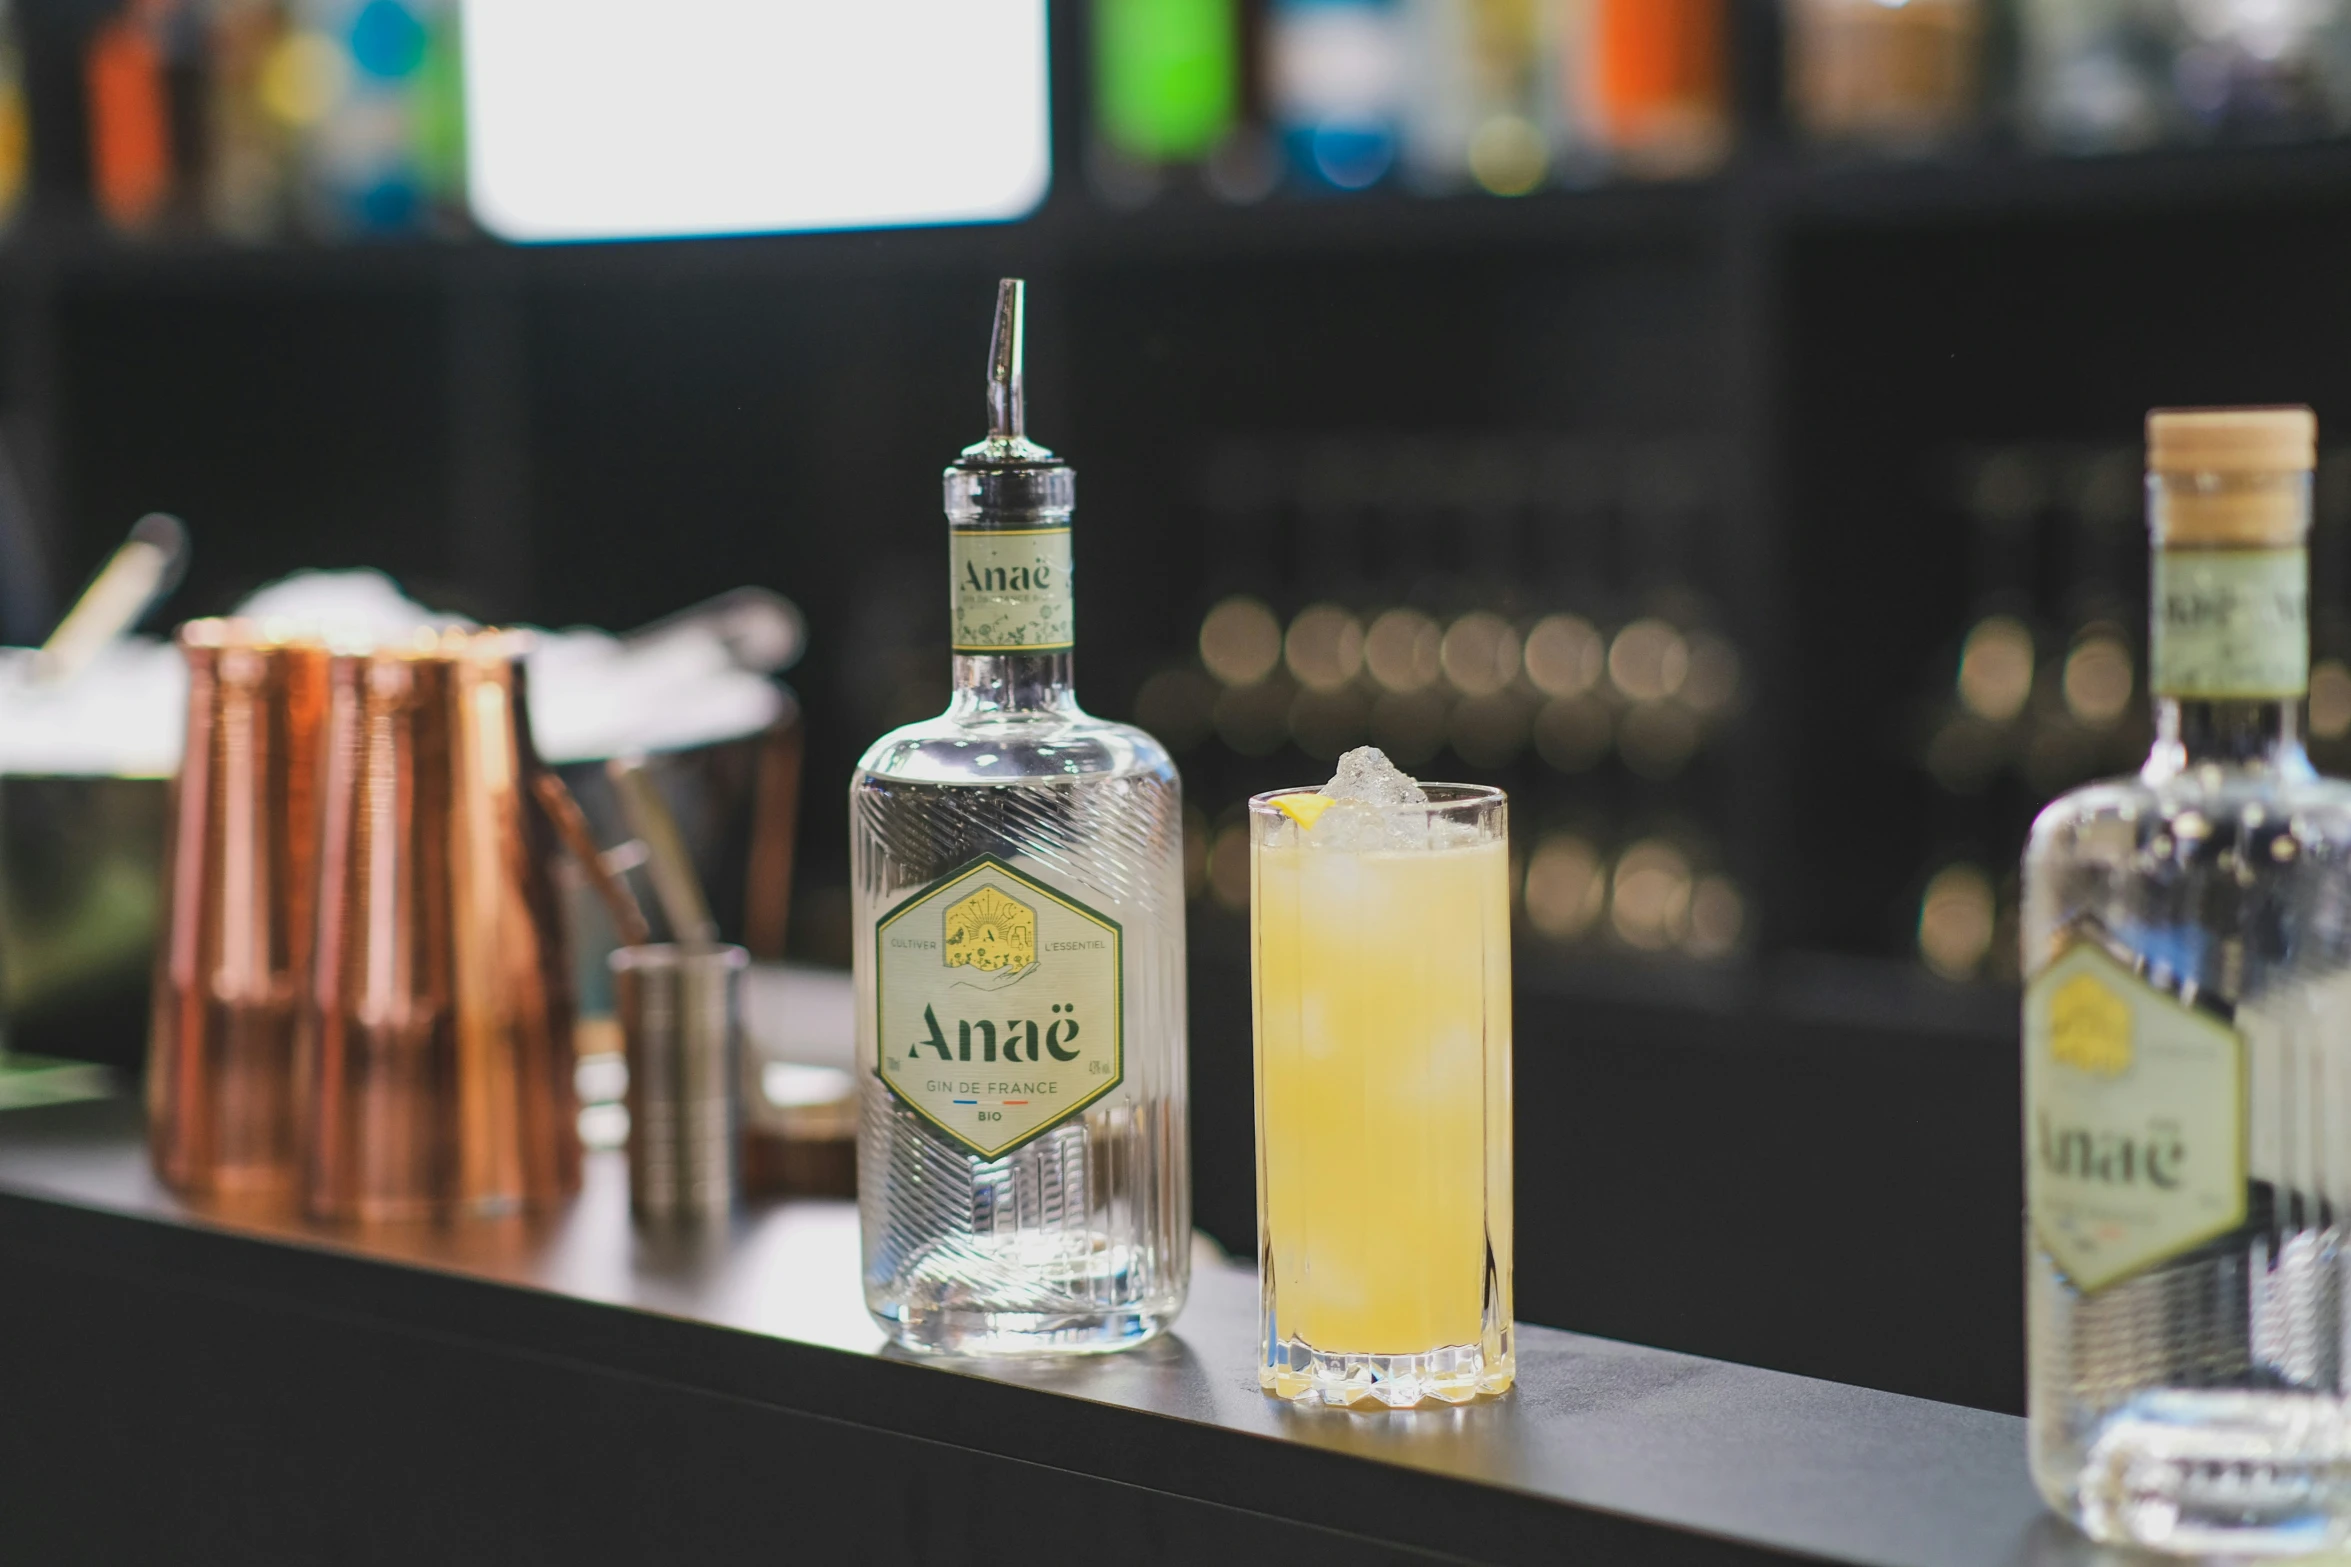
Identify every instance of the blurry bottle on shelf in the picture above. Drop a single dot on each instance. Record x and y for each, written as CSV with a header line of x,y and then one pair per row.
x,y
2094,75
2118,75
1171,98
1336,71
253,102
376,87
1898,78
16,142
2260,70
1482,103
137,72
1649,80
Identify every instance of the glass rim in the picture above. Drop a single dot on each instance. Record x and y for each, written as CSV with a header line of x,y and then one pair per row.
x,y
1443,798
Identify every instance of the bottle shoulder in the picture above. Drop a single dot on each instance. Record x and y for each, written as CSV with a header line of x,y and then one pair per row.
x,y
997,750
2205,798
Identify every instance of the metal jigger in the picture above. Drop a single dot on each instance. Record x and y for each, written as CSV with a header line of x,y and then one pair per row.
x,y
681,1011
681,1015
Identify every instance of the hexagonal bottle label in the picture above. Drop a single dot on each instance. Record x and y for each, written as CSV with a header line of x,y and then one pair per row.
x,y
2134,1120
1000,1006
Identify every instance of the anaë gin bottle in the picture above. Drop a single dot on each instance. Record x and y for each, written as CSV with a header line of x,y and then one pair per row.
x,y
2187,1039
1022,1171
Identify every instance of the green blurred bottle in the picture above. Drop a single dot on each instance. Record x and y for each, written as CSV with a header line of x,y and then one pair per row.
x,y
1170,84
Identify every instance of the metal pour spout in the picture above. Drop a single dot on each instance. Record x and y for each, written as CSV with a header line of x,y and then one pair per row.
x,y
1006,418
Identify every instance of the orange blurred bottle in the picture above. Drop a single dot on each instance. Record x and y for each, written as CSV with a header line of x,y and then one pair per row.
x,y
1653,80
16,161
127,72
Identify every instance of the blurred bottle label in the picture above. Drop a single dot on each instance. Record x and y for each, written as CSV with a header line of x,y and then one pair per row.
x,y
1012,590
2134,1120
2230,625
999,1006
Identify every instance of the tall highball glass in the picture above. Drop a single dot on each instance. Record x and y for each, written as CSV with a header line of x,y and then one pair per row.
x,y
1381,961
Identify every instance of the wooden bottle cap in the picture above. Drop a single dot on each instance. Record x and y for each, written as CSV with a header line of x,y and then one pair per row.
x,y
2238,448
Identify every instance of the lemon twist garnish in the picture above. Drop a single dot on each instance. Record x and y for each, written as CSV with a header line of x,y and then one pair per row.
x,y
1304,809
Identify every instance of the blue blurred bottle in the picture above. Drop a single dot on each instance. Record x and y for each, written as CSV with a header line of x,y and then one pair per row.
x,y
381,106
1336,70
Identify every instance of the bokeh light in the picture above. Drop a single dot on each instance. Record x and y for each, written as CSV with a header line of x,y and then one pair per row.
x,y
1996,668
1564,655
1566,887
1649,896
2098,679
1403,650
1240,641
1508,156
1325,647
1955,921
1648,660
1480,653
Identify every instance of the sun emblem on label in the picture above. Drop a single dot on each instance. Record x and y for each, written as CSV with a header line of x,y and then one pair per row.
x,y
2090,1027
990,931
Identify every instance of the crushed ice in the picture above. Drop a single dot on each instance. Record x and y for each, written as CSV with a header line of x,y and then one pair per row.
x,y
1365,774
1367,792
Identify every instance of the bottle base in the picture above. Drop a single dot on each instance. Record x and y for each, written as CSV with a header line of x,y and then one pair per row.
x,y
1455,1374
1022,1334
2219,1473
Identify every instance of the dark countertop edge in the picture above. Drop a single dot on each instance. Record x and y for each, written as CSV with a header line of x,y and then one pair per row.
x,y
1296,1482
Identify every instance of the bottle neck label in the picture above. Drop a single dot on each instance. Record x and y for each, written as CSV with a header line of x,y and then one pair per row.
x,y
2230,625
999,1006
1012,590
2134,1130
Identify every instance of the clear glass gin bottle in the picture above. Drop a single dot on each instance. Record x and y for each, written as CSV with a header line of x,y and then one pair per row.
x,y
2187,1039
1022,1166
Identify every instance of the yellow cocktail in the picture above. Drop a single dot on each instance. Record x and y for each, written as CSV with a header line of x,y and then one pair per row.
x,y
1382,969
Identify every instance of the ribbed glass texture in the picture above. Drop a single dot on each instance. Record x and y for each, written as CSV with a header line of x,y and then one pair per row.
x,y
1078,1240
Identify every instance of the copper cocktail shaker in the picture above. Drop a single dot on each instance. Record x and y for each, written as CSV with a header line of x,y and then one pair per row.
x,y
235,944
436,1031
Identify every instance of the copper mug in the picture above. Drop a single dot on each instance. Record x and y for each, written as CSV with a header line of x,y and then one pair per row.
x,y
241,846
435,1043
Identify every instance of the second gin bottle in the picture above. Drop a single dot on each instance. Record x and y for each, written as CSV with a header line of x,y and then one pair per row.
x,y
2187,1070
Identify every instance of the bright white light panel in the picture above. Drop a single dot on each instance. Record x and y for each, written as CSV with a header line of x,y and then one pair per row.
x,y
637,119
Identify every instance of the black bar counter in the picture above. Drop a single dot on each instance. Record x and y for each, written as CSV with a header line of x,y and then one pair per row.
x,y
198,1386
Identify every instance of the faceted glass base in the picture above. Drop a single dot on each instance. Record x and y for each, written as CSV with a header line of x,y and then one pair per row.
x,y
2220,1473
1023,1333
1453,1375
